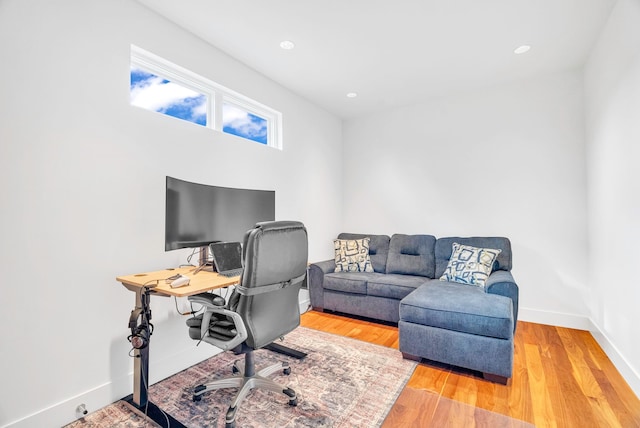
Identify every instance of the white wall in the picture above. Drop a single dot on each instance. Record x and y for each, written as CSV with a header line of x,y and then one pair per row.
x,y
504,161
83,194
612,93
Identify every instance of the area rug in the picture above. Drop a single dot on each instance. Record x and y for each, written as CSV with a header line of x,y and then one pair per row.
x,y
119,414
341,383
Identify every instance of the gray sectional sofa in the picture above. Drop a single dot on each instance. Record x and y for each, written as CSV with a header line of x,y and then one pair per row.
x,y
453,323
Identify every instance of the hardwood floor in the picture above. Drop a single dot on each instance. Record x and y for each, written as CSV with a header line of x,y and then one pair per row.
x,y
561,378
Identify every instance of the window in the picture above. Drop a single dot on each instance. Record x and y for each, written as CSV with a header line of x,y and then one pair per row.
x,y
157,94
161,86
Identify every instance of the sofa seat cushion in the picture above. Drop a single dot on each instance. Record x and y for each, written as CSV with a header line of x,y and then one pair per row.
x,y
460,308
394,286
349,282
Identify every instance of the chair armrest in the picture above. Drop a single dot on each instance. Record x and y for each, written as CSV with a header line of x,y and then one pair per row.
x,y
211,309
501,282
316,281
205,299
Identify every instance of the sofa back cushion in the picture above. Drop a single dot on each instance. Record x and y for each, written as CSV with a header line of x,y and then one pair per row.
x,y
444,248
412,255
378,249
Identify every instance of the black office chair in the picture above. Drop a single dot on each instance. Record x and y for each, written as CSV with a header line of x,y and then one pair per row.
x,y
263,308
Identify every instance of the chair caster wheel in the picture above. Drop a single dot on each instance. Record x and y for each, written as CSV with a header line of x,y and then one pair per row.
x,y
230,418
293,400
197,397
286,371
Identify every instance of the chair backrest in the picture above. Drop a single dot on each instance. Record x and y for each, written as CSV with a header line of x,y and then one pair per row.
x,y
275,264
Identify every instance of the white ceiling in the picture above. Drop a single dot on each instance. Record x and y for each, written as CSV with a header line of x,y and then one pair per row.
x,y
393,53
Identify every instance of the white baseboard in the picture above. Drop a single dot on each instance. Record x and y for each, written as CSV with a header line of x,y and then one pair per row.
x,y
304,300
559,319
64,412
585,323
626,370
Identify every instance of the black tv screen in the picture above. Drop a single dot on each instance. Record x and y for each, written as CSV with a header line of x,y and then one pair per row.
x,y
199,214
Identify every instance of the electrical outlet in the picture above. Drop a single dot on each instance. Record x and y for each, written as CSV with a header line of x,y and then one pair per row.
x,y
81,410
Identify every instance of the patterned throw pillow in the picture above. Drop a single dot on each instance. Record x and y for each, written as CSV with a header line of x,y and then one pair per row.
x,y
352,255
470,265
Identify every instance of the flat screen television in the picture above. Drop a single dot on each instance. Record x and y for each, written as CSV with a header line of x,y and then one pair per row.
x,y
197,215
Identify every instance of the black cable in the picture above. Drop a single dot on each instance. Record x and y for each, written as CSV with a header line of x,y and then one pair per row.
x,y
226,293
146,406
149,327
190,256
147,284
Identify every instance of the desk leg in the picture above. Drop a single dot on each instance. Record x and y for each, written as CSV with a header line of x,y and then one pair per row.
x,y
140,397
141,360
140,377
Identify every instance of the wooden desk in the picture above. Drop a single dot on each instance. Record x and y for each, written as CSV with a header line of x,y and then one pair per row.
x,y
200,282
148,284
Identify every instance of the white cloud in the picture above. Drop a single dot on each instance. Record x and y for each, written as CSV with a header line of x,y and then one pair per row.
x,y
241,121
200,109
155,95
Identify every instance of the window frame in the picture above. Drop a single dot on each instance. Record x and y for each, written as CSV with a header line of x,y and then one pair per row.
x,y
217,95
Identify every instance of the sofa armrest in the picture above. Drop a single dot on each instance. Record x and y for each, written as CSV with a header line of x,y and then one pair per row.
x,y
501,282
316,281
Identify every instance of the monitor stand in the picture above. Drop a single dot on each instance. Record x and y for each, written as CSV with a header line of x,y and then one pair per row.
x,y
203,260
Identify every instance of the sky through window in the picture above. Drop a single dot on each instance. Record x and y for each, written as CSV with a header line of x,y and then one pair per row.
x,y
154,93
159,85
239,122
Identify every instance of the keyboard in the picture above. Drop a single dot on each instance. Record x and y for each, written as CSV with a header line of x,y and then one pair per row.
x,y
231,273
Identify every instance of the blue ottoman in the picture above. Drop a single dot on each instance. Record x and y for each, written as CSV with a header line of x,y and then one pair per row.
x,y
459,325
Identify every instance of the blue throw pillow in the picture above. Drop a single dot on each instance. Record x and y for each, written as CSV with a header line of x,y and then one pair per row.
x,y
470,265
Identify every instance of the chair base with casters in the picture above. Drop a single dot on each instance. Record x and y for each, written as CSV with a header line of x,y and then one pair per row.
x,y
246,379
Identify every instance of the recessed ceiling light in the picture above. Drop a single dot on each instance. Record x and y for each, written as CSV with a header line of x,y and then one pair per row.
x,y
522,49
352,95
287,44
